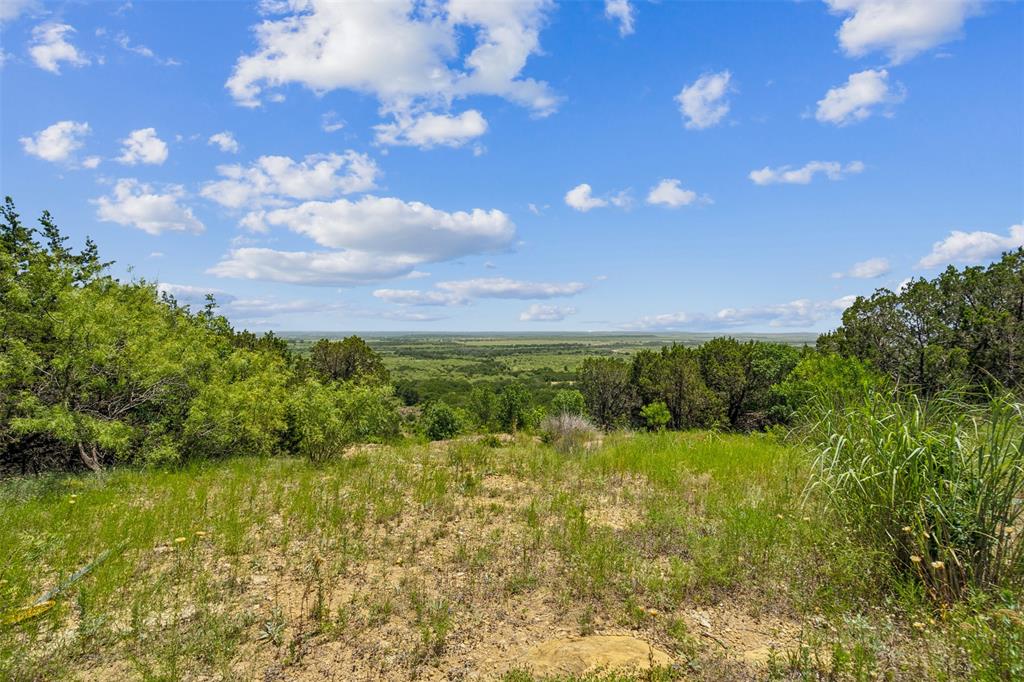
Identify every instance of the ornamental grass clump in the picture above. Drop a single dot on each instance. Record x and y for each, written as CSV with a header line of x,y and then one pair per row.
x,y
938,484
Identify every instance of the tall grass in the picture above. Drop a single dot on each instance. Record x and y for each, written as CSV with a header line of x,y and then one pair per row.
x,y
937,483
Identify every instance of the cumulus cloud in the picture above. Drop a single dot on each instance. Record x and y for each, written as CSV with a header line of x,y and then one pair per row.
x,y
620,11
866,269
273,180
669,193
49,47
432,130
225,140
139,205
703,102
143,146
857,98
58,142
581,198
971,248
546,313
413,57
833,170
461,292
373,238
801,313
899,28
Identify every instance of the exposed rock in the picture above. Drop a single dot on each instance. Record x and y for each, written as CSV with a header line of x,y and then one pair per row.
x,y
576,656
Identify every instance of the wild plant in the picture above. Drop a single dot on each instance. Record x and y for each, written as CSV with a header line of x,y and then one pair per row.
x,y
938,483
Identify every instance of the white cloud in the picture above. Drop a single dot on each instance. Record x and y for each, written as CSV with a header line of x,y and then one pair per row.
x,y
431,130
376,237
703,102
192,295
970,248
546,313
330,123
136,204
49,47
143,146
501,287
866,269
795,314
622,12
417,297
900,28
91,162
389,225
580,198
271,180
669,193
225,140
413,57
857,98
58,142
461,292
12,9
144,51
833,170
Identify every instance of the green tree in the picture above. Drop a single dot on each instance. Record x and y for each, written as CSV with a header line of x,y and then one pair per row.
x,y
606,386
440,421
513,408
483,405
350,359
568,401
656,416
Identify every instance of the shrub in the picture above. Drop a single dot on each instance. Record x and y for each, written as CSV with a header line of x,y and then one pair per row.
x,y
656,416
568,432
568,401
440,422
329,417
937,484
513,411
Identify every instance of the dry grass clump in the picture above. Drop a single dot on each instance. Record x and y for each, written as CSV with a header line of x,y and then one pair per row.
x,y
568,433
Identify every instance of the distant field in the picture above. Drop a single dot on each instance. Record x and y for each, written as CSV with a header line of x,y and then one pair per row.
x,y
445,366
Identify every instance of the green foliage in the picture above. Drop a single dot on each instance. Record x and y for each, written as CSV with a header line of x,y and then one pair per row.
x,y
568,401
513,408
673,377
440,421
935,483
103,371
483,406
830,378
962,327
606,386
328,417
350,359
656,416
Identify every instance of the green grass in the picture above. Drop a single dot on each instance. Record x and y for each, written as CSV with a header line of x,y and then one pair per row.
x,y
281,560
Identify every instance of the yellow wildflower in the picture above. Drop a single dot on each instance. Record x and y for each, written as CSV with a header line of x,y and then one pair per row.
x,y
938,565
178,541
916,559
919,625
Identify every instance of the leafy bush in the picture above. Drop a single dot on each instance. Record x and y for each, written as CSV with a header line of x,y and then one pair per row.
x,y
656,415
440,421
830,380
568,401
937,484
568,432
513,408
329,417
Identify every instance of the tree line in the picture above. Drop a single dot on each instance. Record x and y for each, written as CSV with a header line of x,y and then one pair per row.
x,y
95,371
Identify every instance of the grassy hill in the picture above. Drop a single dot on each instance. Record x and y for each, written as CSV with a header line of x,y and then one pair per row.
x,y
480,558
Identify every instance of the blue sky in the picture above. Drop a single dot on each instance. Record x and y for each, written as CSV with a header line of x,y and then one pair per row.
x,y
481,166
